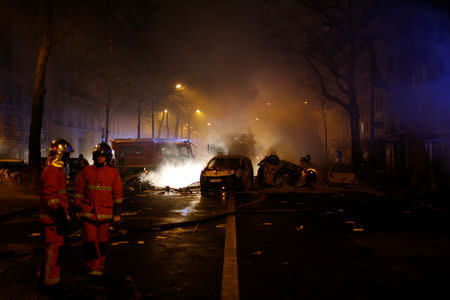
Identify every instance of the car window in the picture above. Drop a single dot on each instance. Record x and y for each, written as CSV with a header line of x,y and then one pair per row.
x,y
224,163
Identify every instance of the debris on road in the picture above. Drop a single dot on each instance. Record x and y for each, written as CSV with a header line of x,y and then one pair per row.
x,y
267,224
140,242
349,222
340,210
119,243
35,234
358,229
160,237
221,225
299,228
258,252
129,213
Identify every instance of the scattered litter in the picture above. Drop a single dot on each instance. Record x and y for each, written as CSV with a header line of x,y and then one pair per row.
x,y
267,224
221,225
258,252
299,228
119,243
349,222
196,227
35,234
358,229
140,242
160,237
123,231
131,213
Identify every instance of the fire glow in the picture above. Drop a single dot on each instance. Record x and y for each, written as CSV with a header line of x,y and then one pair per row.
x,y
175,175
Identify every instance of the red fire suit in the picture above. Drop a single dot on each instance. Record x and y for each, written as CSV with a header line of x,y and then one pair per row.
x,y
98,192
53,196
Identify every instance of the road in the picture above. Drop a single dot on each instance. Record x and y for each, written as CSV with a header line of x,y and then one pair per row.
x,y
259,244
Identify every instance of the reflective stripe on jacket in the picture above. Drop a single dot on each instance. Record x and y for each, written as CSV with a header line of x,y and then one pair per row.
x,y
53,193
97,190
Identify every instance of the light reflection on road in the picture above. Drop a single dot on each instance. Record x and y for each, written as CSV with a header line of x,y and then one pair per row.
x,y
190,209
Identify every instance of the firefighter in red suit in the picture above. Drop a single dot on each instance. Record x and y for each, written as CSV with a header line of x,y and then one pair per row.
x,y
98,192
53,211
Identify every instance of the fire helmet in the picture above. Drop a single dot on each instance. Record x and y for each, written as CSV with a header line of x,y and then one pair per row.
x,y
102,149
59,152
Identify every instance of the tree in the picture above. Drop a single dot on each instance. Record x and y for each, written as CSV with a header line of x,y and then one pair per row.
x,y
39,90
334,55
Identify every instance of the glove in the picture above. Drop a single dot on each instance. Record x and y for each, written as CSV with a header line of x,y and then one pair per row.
x,y
62,220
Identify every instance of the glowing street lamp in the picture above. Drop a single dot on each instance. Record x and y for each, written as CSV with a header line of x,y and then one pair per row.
x,y
165,110
306,102
197,111
209,123
179,86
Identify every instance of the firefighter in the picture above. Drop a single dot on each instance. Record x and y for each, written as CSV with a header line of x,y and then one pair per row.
x,y
54,215
98,192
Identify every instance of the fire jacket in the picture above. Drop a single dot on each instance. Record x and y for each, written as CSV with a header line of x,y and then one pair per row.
x,y
97,191
53,193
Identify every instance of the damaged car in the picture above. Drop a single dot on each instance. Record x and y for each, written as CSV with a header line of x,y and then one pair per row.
x,y
276,172
226,172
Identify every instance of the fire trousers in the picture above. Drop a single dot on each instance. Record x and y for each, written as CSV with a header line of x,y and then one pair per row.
x,y
50,267
96,237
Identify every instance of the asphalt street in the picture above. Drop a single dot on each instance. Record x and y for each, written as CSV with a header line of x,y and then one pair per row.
x,y
259,244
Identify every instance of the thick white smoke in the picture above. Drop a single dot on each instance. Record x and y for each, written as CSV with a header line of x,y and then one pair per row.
x,y
175,175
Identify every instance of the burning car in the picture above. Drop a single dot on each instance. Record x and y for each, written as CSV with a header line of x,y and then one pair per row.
x,y
275,172
226,172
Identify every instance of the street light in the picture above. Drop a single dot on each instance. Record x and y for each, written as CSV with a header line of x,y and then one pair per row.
x,y
165,110
197,111
306,102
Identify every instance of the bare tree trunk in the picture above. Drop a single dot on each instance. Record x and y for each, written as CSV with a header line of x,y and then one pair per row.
x,y
167,124
160,125
325,131
177,123
108,102
39,90
355,136
372,106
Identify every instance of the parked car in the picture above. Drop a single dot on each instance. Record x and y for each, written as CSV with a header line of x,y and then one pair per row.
x,y
226,172
341,175
11,171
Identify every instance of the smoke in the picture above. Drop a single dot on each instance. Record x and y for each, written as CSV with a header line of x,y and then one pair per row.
x,y
175,175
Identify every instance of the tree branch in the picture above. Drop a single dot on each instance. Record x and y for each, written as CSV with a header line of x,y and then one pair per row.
x,y
323,87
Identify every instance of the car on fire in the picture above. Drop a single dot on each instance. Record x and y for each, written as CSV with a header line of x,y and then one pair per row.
x,y
226,172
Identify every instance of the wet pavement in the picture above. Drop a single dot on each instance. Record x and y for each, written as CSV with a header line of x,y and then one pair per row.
x,y
289,244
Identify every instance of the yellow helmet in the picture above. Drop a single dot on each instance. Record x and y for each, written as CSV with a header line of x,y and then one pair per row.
x,y
57,149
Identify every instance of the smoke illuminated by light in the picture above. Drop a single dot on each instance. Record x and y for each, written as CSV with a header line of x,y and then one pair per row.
x,y
175,175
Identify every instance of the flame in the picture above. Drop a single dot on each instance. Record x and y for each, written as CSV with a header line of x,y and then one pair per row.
x,y
175,175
